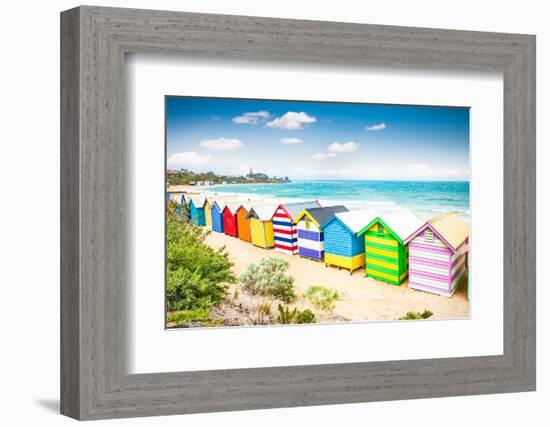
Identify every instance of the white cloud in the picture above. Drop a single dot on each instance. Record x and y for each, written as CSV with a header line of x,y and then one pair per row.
x,y
346,147
187,159
251,118
379,126
291,140
336,147
323,156
291,121
221,144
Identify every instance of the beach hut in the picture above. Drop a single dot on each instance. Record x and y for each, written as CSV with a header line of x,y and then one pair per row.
x,y
217,216
230,220
175,196
343,247
438,254
261,226
196,210
385,248
210,199
243,223
310,236
284,229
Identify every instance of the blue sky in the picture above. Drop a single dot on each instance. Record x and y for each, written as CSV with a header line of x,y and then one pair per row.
x,y
315,140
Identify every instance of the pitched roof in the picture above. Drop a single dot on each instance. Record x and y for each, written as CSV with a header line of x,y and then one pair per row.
x,y
264,213
453,229
198,200
401,222
294,209
321,215
355,221
234,205
211,198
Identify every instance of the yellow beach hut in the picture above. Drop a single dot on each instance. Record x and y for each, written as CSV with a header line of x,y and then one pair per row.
x,y
261,226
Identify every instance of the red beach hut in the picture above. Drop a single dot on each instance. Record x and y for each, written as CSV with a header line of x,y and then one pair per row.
x,y
229,213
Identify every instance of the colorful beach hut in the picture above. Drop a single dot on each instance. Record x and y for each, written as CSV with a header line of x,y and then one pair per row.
x,y
230,220
210,199
310,236
343,247
243,223
386,255
284,229
217,216
261,226
196,210
438,254
175,196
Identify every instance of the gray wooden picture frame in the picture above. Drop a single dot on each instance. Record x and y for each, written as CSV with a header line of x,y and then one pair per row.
x,y
94,41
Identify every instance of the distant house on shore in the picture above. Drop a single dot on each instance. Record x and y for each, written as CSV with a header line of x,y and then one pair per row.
x,y
310,236
284,230
386,253
196,210
261,226
438,253
344,248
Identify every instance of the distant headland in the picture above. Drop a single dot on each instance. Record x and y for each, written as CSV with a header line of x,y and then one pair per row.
x,y
188,177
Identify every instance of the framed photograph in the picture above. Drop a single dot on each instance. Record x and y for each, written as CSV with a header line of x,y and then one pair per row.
x,y
261,213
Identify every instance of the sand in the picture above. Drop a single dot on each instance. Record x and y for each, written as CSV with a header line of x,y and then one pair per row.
x,y
362,298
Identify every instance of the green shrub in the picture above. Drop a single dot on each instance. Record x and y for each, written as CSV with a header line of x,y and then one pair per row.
x,y
269,278
177,211
186,316
305,316
195,273
322,298
417,315
287,316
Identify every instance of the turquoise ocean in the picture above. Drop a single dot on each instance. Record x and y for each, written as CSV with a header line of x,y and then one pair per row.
x,y
425,198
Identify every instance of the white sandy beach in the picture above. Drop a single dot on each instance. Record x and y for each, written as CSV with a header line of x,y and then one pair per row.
x,y
362,298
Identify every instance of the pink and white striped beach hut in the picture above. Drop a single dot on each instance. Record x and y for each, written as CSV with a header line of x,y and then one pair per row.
x,y
438,255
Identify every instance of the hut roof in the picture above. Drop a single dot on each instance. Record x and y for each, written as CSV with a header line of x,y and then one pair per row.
x,y
294,209
211,198
264,213
354,221
198,200
321,215
451,228
234,205
401,223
